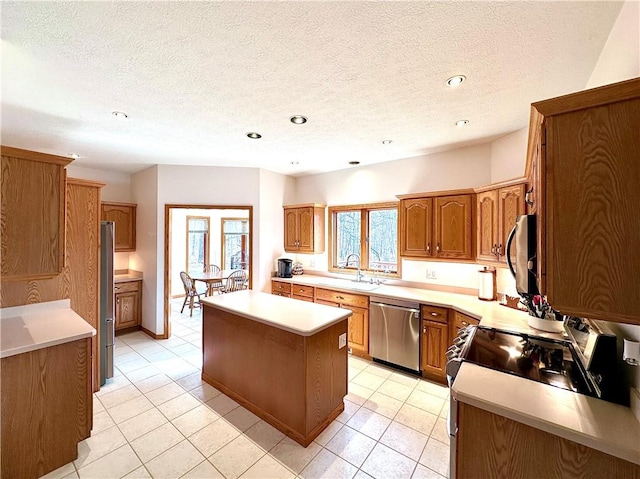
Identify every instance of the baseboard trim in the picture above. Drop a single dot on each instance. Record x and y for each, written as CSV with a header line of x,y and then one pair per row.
x,y
152,334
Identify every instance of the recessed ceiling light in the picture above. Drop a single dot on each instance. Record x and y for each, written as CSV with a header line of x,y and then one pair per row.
x,y
354,162
254,136
298,119
456,80
75,156
294,163
462,122
119,114
387,142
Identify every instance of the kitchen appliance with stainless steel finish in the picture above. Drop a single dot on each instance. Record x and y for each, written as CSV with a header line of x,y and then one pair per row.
x,y
107,314
394,332
524,271
585,363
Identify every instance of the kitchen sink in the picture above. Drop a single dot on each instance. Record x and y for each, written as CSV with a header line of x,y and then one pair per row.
x,y
348,284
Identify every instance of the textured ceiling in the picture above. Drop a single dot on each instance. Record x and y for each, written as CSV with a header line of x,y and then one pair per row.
x,y
195,77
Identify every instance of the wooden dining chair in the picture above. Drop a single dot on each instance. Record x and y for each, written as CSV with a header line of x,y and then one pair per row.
x,y
191,294
214,268
236,281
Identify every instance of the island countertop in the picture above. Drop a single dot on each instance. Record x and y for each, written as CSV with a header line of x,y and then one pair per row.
x,y
298,317
41,325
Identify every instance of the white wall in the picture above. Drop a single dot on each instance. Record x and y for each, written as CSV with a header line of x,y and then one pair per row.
x,y
509,156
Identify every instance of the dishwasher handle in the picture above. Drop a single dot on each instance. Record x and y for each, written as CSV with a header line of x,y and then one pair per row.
x,y
391,306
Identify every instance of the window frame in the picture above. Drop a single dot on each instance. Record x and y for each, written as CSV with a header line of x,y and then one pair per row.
x,y
364,210
223,242
207,239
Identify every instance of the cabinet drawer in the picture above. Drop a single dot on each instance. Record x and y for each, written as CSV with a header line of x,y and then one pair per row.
x,y
342,298
126,287
302,290
303,298
280,287
280,293
434,313
461,320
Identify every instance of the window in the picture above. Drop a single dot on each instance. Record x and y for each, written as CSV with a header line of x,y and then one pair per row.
x,y
197,242
235,243
369,231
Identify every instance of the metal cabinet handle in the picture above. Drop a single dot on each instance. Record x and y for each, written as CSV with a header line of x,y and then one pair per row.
x,y
424,329
493,249
437,247
434,314
464,323
500,250
527,197
339,297
428,247
301,290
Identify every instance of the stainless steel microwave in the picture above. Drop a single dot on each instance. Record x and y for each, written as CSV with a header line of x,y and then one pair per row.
x,y
523,235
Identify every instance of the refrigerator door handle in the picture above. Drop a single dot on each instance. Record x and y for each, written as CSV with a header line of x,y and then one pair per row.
x,y
110,330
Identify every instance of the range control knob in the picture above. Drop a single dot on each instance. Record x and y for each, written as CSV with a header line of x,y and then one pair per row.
x,y
450,355
459,341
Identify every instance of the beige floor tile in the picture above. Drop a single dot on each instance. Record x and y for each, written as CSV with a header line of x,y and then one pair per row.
x,y
101,421
422,472
405,379
191,381
113,384
98,445
127,356
129,409
160,355
130,366
236,457
350,445
177,368
395,390
325,436
194,420
141,424
369,422
379,370
178,406
358,362
142,373
404,440
368,380
382,404
156,442
328,465
140,473
214,436
416,418
204,470
115,464
241,418
385,463
61,472
439,432
268,468
97,405
434,389
175,462
264,435
293,455
352,372
426,401
222,404
119,396
184,349
164,393
149,349
204,392
172,342
154,382
350,408
362,475
436,457
357,393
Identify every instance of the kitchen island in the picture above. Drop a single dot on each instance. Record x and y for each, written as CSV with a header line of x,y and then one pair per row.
x,y
284,360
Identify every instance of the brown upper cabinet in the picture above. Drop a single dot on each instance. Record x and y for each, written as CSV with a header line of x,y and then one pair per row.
x,y
33,213
124,216
304,228
497,210
437,226
587,172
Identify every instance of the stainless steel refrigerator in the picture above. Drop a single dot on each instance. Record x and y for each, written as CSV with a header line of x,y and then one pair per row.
x,y
107,313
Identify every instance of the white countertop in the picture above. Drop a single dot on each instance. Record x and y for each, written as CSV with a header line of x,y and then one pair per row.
x,y
604,426
41,325
298,317
124,277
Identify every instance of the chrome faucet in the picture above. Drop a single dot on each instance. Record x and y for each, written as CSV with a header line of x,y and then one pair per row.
x,y
359,274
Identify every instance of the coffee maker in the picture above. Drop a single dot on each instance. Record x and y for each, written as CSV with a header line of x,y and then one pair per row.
x,y
284,267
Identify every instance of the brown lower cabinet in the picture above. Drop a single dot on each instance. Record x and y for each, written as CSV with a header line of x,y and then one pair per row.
x,y
128,298
489,445
434,343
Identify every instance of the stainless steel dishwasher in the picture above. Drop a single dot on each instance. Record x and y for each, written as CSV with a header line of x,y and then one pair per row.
x,y
394,332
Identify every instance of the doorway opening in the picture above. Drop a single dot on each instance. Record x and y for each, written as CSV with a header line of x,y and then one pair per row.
x,y
196,236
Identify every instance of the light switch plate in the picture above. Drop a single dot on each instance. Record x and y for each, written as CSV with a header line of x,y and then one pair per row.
x,y
342,340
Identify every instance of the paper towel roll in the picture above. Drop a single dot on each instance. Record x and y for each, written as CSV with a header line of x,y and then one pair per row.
x,y
487,284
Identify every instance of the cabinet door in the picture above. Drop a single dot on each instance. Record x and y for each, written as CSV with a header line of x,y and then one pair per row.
x,y
291,229
305,230
487,208
124,217
511,205
416,216
453,226
358,332
127,305
435,341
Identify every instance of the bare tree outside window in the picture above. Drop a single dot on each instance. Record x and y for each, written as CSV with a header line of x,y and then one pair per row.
x,y
347,235
383,240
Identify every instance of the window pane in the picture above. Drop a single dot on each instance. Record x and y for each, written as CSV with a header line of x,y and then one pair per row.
x,y
196,251
383,239
347,235
236,226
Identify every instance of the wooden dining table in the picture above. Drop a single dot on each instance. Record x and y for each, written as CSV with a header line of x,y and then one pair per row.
x,y
211,279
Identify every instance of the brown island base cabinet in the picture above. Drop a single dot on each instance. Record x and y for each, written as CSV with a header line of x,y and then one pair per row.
x,y
295,381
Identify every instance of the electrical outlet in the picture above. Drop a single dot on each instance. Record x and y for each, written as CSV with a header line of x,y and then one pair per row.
x,y
342,340
428,273
312,263
433,274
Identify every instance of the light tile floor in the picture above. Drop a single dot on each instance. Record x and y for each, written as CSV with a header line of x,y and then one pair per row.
x,y
157,419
